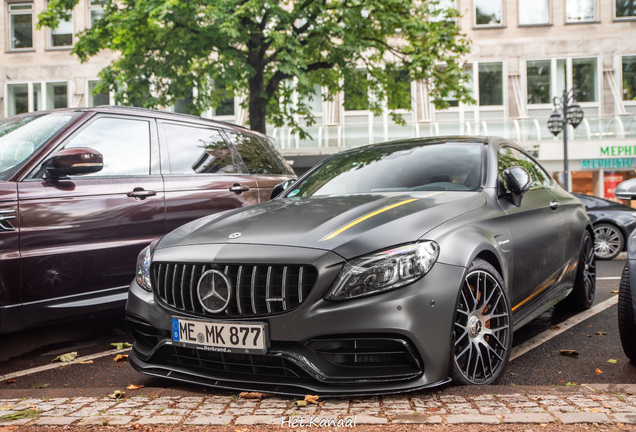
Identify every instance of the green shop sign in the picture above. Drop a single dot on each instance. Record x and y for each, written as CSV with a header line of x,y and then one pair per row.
x,y
592,164
627,150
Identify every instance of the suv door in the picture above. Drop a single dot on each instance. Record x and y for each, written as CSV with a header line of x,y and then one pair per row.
x,y
262,160
534,228
202,174
82,234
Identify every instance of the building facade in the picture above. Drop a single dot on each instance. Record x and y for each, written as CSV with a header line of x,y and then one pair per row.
x,y
524,53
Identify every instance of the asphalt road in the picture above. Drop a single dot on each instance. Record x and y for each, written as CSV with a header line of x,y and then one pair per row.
x,y
541,366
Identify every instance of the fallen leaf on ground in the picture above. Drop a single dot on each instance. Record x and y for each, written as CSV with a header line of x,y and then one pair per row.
x,y
10,381
254,395
65,357
301,403
601,333
569,353
117,394
39,386
312,399
27,413
512,373
595,410
612,361
590,325
6,407
120,357
598,371
614,291
134,387
120,345
85,362
554,327
571,384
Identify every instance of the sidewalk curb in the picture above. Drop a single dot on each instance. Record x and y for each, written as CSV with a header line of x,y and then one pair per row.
x,y
593,403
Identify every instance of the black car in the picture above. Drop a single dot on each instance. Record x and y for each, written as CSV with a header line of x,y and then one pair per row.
x,y
387,268
613,223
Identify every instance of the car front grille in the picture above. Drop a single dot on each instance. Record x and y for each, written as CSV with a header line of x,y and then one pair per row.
x,y
257,290
261,365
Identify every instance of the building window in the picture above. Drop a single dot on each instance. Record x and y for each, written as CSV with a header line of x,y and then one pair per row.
x,y
580,11
490,84
227,105
356,91
629,78
539,80
625,8
17,99
534,12
402,79
56,95
62,35
584,78
37,97
21,25
488,12
95,10
97,99
443,7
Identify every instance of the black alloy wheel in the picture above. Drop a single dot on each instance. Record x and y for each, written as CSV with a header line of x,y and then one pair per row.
x,y
584,291
626,320
482,337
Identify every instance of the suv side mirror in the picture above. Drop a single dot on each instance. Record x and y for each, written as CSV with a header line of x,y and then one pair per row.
x,y
75,161
281,187
518,182
626,190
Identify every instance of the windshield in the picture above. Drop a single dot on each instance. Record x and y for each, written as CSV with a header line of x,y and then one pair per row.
x,y
413,166
21,136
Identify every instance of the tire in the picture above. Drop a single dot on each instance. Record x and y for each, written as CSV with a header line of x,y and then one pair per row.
x,y
482,335
626,324
608,241
584,291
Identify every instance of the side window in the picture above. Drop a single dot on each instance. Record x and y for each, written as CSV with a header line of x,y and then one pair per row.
x,y
124,144
195,150
509,157
259,158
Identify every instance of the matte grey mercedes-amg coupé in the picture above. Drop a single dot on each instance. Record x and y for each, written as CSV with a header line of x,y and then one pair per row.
x,y
391,267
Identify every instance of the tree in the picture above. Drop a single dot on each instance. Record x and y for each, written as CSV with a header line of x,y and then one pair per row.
x,y
273,53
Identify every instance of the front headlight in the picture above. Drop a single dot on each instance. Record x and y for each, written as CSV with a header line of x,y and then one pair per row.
x,y
384,271
143,268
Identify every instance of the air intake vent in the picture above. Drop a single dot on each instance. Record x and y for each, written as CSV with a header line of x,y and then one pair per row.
x,y
256,290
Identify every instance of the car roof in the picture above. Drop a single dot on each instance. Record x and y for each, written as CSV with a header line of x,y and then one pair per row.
x,y
165,115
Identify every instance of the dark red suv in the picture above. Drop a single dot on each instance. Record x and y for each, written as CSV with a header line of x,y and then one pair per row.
x,y
82,191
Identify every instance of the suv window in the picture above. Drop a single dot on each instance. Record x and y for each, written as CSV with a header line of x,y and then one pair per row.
x,y
195,150
509,157
259,157
124,144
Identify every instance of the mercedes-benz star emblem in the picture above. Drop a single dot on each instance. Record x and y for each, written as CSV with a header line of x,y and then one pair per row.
x,y
214,291
235,235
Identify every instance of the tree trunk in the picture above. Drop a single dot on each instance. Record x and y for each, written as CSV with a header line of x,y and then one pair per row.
x,y
257,104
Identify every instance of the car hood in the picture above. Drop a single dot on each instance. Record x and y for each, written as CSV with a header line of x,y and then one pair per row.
x,y
349,225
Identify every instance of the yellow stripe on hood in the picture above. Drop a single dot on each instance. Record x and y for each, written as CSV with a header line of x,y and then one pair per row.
x,y
370,215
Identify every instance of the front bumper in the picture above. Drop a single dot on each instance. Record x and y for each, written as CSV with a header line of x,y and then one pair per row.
x,y
418,317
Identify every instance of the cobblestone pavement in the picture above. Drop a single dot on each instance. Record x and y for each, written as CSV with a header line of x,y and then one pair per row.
x,y
598,407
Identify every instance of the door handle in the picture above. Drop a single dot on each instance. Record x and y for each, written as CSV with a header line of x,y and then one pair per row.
x,y
554,205
239,188
141,194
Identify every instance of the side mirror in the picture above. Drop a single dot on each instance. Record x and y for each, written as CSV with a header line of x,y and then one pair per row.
x,y
75,161
626,190
281,187
518,182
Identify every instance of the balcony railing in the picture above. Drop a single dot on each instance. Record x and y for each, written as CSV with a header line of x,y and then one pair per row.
x,y
527,132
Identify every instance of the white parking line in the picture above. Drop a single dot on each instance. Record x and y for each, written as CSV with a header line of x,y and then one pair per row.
x,y
565,325
608,278
57,365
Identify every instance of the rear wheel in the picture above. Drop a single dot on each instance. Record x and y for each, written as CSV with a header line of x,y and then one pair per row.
x,y
626,324
584,291
482,336
608,241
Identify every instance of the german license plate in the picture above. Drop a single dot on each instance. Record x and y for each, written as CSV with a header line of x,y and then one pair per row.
x,y
225,336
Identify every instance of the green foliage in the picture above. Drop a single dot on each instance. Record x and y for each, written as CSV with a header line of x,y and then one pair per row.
x,y
225,48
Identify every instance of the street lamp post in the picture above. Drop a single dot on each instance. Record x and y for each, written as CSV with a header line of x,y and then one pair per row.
x,y
571,113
